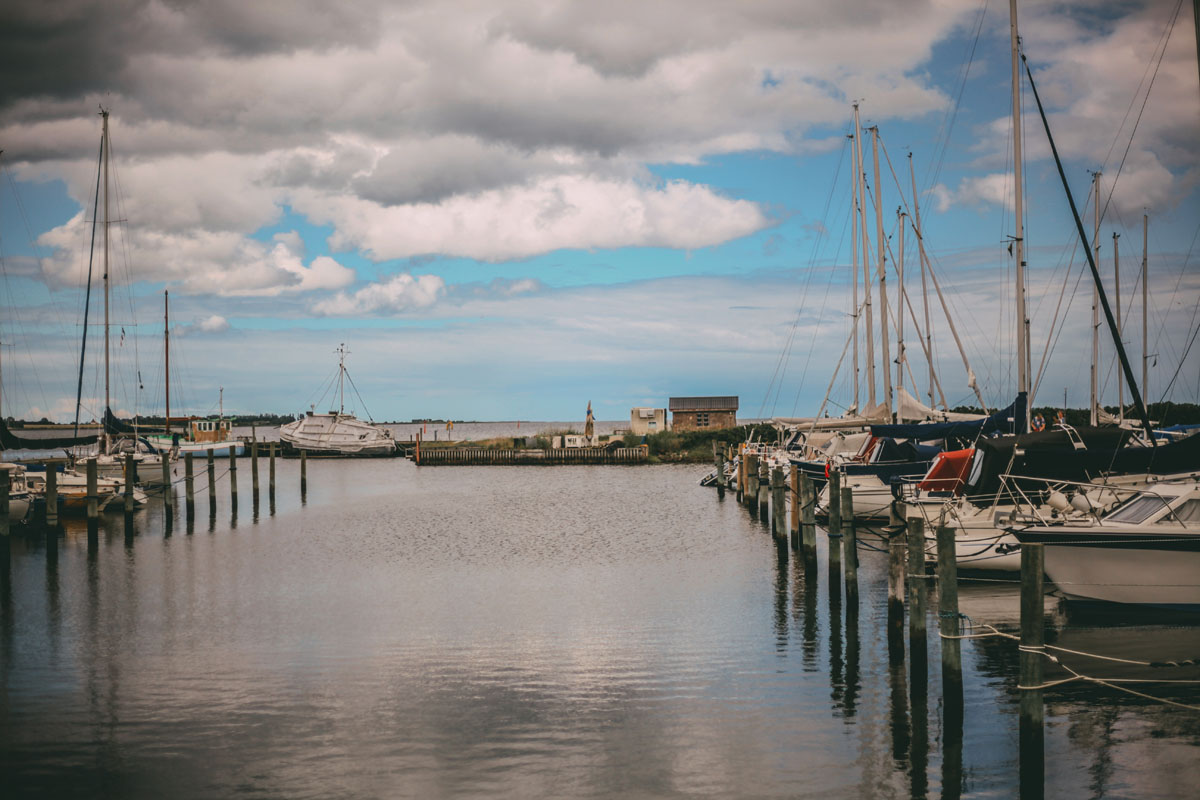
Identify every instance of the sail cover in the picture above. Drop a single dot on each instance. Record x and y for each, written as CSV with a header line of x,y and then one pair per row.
x,y
1001,421
11,441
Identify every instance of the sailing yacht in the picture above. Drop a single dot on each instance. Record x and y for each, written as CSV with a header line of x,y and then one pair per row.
x,y
337,433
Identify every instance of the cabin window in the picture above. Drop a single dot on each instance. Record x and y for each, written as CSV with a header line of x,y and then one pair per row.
x,y
1138,509
1188,512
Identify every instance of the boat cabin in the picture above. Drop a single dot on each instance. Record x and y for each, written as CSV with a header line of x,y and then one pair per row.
x,y
211,430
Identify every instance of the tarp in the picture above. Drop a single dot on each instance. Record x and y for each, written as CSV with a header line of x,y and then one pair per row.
x,y
11,441
1002,421
948,472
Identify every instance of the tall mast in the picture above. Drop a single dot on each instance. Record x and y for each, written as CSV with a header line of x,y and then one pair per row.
x,y
107,402
883,308
1019,214
1093,417
854,172
341,378
1145,304
924,287
1120,327
167,354
901,216
868,328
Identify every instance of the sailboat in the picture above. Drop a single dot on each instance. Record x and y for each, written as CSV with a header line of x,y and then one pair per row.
x,y
337,433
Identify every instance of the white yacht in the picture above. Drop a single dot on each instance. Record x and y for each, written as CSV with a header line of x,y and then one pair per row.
x,y
338,433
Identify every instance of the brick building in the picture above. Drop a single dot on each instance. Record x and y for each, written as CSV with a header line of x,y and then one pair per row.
x,y
698,413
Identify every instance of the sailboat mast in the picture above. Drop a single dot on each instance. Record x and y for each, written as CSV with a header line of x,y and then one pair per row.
x,y
1093,417
1145,303
167,354
901,216
341,379
1023,383
866,265
924,286
883,308
1120,326
854,171
107,143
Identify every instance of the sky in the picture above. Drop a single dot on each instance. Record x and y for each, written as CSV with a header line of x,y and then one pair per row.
x,y
506,210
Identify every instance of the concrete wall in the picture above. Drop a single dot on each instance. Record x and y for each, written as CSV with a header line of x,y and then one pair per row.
x,y
647,420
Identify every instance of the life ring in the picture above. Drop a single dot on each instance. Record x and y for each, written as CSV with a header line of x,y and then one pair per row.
x,y
1038,423
827,463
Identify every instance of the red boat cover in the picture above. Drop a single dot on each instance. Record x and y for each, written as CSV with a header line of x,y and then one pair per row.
x,y
948,471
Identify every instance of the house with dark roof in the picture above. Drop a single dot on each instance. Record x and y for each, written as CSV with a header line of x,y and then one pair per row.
x,y
699,413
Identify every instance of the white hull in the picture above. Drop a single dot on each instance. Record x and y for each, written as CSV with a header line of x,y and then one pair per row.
x,y
337,434
978,543
1126,575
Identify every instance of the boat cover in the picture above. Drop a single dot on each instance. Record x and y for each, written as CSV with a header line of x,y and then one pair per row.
x,y
949,471
11,441
1002,421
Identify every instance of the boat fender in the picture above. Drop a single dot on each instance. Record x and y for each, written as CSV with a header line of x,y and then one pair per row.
x,y
1058,501
1081,502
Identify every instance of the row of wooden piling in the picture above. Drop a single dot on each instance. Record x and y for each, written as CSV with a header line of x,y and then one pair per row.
x,y
763,492
485,456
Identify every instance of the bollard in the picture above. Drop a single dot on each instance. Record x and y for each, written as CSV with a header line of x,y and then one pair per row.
x,y
849,542
795,493
897,555
835,503
130,478
168,493
917,594
254,468
51,496
271,471
189,484
212,481
778,504
1032,709
808,518
233,476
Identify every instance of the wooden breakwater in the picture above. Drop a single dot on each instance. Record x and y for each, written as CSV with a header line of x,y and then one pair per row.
x,y
482,456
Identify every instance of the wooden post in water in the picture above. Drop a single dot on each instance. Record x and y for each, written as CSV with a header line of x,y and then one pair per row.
x,y
4,524
271,471
304,472
849,541
254,468
719,459
93,491
212,481
947,573
808,518
1032,709
189,485
764,490
51,496
751,495
168,493
835,503
917,594
795,493
897,556
233,487
130,479
778,505
741,474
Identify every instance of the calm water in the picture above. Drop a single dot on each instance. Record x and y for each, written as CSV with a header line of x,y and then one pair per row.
x,y
522,632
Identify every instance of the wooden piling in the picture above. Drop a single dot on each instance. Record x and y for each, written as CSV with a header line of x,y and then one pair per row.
x,y
51,496
917,592
233,487
303,472
849,541
93,491
947,573
168,490
130,479
189,484
254,468
808,517
4,524
719,461
271,471
795,495
764,490
897,556
212,480
1032,709
778,505
741,474
751,495
835,503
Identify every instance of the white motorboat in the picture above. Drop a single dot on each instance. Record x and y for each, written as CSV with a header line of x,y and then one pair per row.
x,y
338,433
72,490
19,496
1144,551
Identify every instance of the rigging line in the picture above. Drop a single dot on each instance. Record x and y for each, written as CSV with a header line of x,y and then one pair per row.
x,y
1165,41
1052,338
1188,350
1175,292
359,396
820,318
88,297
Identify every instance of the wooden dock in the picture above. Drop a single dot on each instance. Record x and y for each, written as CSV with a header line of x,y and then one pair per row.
x,y
484,456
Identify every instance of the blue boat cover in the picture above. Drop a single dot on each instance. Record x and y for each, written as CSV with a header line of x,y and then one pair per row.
x,y
1002,421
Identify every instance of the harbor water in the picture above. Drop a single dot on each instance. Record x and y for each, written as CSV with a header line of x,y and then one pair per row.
x,y
526,632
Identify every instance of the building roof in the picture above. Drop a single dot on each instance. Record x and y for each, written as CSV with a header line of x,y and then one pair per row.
x,y
703,404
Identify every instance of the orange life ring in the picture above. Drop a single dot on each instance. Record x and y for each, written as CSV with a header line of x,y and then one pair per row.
x,y
1038,423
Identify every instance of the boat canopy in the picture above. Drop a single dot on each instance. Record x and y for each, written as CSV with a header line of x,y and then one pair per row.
x,y
1002,421
11,441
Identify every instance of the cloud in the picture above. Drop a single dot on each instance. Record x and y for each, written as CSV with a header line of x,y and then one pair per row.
x,y
994,189
214,323
396,295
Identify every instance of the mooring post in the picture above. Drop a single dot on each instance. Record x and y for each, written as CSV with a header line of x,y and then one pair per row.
x,y
130,479
917,593
271,471
254,468
897,556
849,542
212,481
741,473
808,518
304,473
764,490
168,490
189,485
719,460
4,484
947,573
1032,710
795,493
835,503
233,497
779,505
51,496
731,481
751,495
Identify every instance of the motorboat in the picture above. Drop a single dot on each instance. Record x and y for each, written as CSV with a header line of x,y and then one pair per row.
x,y
71,486
19,496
